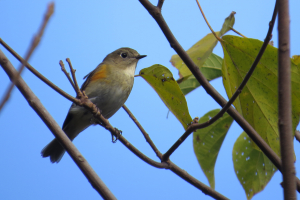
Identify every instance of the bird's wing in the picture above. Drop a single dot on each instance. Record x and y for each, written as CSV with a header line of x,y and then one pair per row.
x,y
96,74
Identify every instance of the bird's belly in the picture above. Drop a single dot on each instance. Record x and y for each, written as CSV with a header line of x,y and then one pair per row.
x,y
110,101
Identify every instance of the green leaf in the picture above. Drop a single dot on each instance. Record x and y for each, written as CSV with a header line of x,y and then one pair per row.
x,y
211,69
162,81
207,143
253,169
258,102
296,60
200,51
228,24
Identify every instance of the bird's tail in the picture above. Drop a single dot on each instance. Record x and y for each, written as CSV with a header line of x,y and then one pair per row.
x,y
54,150
73,125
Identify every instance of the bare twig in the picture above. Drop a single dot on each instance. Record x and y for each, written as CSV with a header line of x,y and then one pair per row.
x,y
231,28
213,32
285,101
39,75
139,154
169,165
36,105
190,179
62,65
77,89
148,139
234,96
160,4
34,44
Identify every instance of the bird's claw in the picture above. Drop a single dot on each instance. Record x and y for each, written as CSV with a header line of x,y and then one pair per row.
x,y
115,138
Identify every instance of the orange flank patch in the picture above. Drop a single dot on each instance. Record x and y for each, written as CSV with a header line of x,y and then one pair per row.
x,y
99,74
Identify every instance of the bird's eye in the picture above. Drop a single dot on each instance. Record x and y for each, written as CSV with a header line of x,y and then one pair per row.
x,y
124,55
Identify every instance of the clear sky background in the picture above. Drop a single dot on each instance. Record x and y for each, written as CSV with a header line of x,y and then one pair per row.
x,y
85,32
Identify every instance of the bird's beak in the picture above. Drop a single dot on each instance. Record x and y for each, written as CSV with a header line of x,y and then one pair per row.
x,y
140,56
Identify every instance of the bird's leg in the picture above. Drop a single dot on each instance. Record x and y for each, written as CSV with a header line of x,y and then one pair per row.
x,y
115,138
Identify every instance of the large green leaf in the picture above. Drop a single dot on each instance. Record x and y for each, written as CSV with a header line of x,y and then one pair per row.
x,y
253,169
211,69
200,51
258,102
207,143
162,81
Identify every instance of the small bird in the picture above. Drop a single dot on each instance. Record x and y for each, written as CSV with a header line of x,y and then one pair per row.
x,y
108,87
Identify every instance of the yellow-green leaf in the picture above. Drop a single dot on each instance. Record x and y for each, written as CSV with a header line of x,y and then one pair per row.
x,y
162,81
253,169
207,143
200,51
296,59
211,69
228,24
258,102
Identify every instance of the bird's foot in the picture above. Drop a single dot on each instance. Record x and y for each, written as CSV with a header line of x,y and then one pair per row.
x,y
115,138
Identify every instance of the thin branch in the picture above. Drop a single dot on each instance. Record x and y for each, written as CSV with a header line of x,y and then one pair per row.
x,y
169,165
37,74
148,139
62,66
34,44
231,28
213,32
160,4
36,105
156,14
190,179
285,101
77,89
297,135
139,154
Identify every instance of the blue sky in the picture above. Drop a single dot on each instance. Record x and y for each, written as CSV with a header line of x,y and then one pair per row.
x,y
86,32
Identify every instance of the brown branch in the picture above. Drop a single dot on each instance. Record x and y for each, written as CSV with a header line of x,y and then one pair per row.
x,y
139,154
231,28
156,14
62,66
160,4
213,32
37,74
146,135
190,179
34,44
285,101
77,89
37,106
174,168
297,135
234,96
